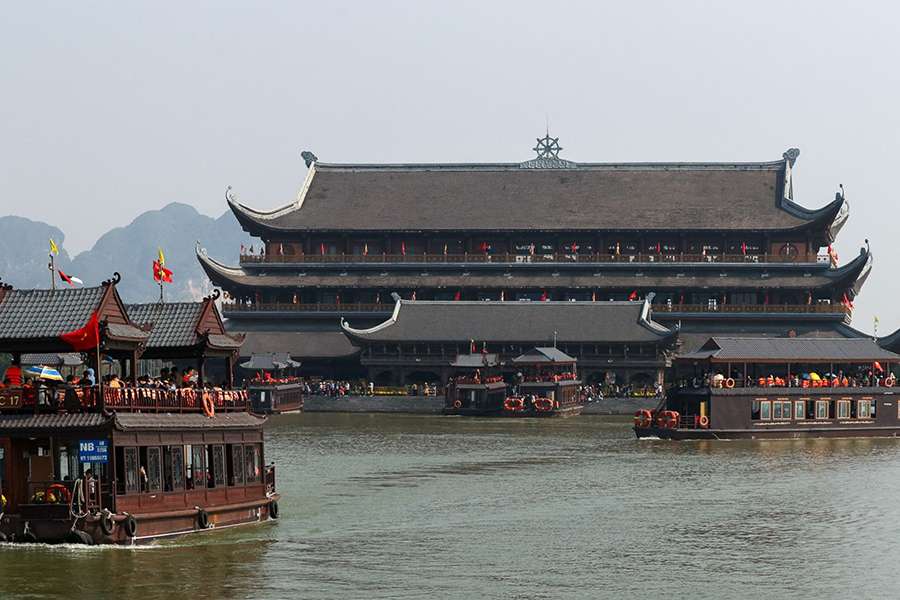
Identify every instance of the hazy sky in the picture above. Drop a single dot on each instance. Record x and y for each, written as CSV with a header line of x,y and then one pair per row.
x,y
109,110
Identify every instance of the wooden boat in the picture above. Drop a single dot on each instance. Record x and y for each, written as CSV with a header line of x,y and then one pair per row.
x,y
548,385
131,466
275,398
477,389
119,463
749,388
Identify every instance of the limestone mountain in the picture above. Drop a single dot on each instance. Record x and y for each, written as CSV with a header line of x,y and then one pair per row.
x,y
130,250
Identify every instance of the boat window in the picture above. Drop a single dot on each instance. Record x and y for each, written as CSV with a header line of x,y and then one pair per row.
x,y
799,409
821,409
843,409
777,410
176,466
217,465
235,464
754,410
197,466
251,461
864,409
132,482
154,468
765,410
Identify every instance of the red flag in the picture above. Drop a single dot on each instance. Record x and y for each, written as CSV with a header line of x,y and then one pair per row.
x,y
458,295
744,248
633,295
160,273
878,367
403,248
86,338
846,301
658,248
322,248
471,346
544,297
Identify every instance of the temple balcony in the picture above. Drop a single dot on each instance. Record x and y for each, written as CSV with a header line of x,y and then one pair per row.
x,y
510,258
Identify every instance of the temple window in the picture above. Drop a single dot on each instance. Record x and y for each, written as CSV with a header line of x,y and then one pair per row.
x,y
843,409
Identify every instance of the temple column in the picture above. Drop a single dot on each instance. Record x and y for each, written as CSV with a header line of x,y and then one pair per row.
x,y
229,370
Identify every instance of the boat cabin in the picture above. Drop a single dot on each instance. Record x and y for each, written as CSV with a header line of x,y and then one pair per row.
x,y
779,387
273,389
547,384
477,387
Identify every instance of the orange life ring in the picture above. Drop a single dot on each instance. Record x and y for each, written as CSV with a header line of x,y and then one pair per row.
x,y
543,404
729,383
514,404
457,404
209,407
643,418
704,421
889,381
63,492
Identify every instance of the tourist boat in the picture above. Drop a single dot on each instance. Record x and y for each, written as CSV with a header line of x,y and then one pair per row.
x,y
548,385
273,394
120,463
764,388
477,389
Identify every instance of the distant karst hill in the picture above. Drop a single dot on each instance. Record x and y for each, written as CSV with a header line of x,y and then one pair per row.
x,y
130,250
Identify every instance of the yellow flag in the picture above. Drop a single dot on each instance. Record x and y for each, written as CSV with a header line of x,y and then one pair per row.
x,y
162,257
54,249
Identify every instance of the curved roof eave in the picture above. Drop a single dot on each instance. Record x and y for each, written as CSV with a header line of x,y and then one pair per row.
x,y
854,273
890,342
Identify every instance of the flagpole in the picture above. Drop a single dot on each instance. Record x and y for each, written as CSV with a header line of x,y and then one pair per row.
x,y
52,272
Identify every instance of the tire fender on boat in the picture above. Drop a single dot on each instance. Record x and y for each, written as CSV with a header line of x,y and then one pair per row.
x,y
273,509
202,518
130,525
106,523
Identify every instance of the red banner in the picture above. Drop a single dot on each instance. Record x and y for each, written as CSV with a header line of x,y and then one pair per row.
x,y
85,338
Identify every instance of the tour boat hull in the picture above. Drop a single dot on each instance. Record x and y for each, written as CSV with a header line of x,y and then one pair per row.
x,y
765,434
54,526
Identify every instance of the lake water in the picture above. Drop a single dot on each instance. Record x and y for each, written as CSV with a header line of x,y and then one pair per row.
x,y
446,507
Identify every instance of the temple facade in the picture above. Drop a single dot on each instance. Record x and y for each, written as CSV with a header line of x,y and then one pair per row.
x,y
716,247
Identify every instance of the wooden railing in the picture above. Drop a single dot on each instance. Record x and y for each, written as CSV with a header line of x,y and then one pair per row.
x,y
507,257
124,399
182,400
662,308
754,308
307,307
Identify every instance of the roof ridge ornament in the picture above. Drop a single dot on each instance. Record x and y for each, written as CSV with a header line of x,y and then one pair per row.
x,y
791,155
547,150
309,158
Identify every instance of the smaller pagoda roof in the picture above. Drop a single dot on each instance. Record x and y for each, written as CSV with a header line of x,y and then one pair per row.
x,y
515,322
192,327
543,355
890,342
477,360
783,350
299,344
271,361
28,423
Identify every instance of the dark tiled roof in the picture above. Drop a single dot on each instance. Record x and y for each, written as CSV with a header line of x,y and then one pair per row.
x,y
518,322
508,197
891,342
299,344
276,360
47,313
219,340
222,420
123,331
64,359
808,349
475,361
636,277
174,323
51,421
543,354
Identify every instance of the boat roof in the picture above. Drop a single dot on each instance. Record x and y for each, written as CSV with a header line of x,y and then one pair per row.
x,y
783,350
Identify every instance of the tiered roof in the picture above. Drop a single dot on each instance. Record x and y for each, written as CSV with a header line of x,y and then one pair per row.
x,y
516,322
782,350
547,195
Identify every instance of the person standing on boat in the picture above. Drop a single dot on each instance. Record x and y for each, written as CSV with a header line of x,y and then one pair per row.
x,y
14,374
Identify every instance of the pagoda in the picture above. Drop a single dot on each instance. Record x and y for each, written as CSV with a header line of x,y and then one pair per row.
x,y
719,248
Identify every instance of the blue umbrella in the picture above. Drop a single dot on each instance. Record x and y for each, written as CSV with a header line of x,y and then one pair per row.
x,y
44,373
